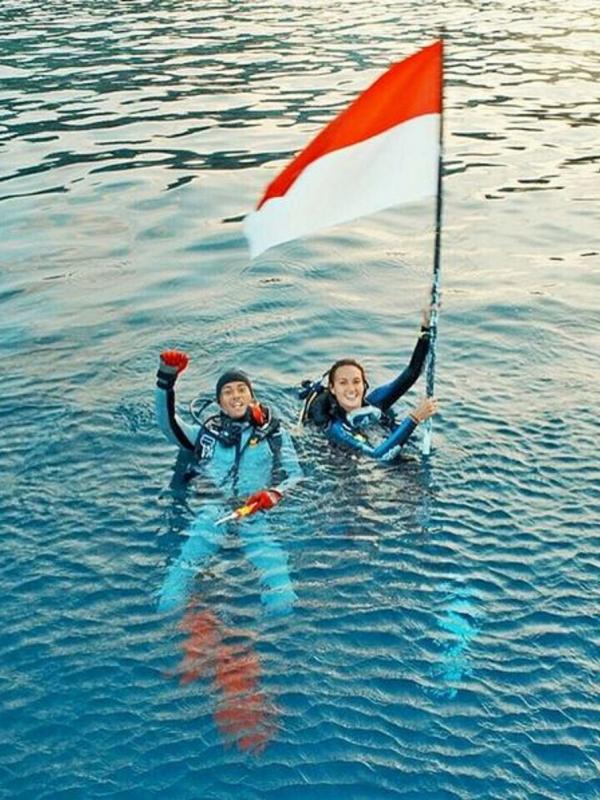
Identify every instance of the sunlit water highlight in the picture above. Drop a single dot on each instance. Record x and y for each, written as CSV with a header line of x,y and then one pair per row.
x,y
445,644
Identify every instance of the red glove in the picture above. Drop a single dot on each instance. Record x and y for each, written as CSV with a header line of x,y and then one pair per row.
x,y
175,359
257,414
264,500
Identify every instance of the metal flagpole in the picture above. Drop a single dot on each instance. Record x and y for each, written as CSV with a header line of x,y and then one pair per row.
x,y
435,285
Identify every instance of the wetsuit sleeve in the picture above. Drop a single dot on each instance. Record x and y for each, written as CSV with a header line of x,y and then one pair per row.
x,y
386,451
385,396
177,431
289,466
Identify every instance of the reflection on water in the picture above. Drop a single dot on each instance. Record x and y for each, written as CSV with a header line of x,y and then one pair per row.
x,y
243,715
458,622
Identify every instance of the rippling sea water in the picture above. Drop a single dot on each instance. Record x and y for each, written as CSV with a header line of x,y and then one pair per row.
x,y
446,640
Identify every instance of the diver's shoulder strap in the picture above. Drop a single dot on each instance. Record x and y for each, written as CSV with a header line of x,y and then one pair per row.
x,y
270,426
275,442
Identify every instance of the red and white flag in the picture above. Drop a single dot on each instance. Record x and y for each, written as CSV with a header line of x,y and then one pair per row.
x,y
381,151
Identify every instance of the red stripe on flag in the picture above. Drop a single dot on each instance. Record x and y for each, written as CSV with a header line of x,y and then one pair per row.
x,y
410,88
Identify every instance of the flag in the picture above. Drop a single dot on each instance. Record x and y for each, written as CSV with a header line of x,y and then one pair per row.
x,y
381,151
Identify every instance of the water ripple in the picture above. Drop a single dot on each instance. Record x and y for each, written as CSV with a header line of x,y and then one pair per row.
x,y
445,639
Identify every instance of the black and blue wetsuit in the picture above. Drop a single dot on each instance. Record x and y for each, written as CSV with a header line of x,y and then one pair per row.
x,y
236,458
352,430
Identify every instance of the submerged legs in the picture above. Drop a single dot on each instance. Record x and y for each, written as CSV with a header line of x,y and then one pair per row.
x,y
271,561
260,547
204,539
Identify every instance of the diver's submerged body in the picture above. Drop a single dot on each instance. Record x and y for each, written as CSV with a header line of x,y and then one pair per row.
x,y
241,450
354,418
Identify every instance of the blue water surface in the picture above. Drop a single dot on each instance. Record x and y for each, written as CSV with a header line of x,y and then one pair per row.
x,y
445,644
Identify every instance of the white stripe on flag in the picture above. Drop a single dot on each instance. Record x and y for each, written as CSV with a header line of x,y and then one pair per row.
x,y
394,167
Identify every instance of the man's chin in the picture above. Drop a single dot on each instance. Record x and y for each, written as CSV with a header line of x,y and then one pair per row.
x,y
237,413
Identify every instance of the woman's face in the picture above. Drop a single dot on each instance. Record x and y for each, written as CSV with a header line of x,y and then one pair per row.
x,y
235,398
348,387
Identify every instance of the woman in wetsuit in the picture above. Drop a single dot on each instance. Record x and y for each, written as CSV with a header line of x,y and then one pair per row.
x,y
362,420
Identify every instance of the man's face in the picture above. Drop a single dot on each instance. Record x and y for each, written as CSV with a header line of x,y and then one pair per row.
x,y
235,398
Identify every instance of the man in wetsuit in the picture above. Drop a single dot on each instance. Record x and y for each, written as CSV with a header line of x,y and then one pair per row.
x,y
241,453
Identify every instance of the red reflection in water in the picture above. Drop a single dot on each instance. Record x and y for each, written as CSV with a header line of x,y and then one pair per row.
x,y
200,647
244,714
